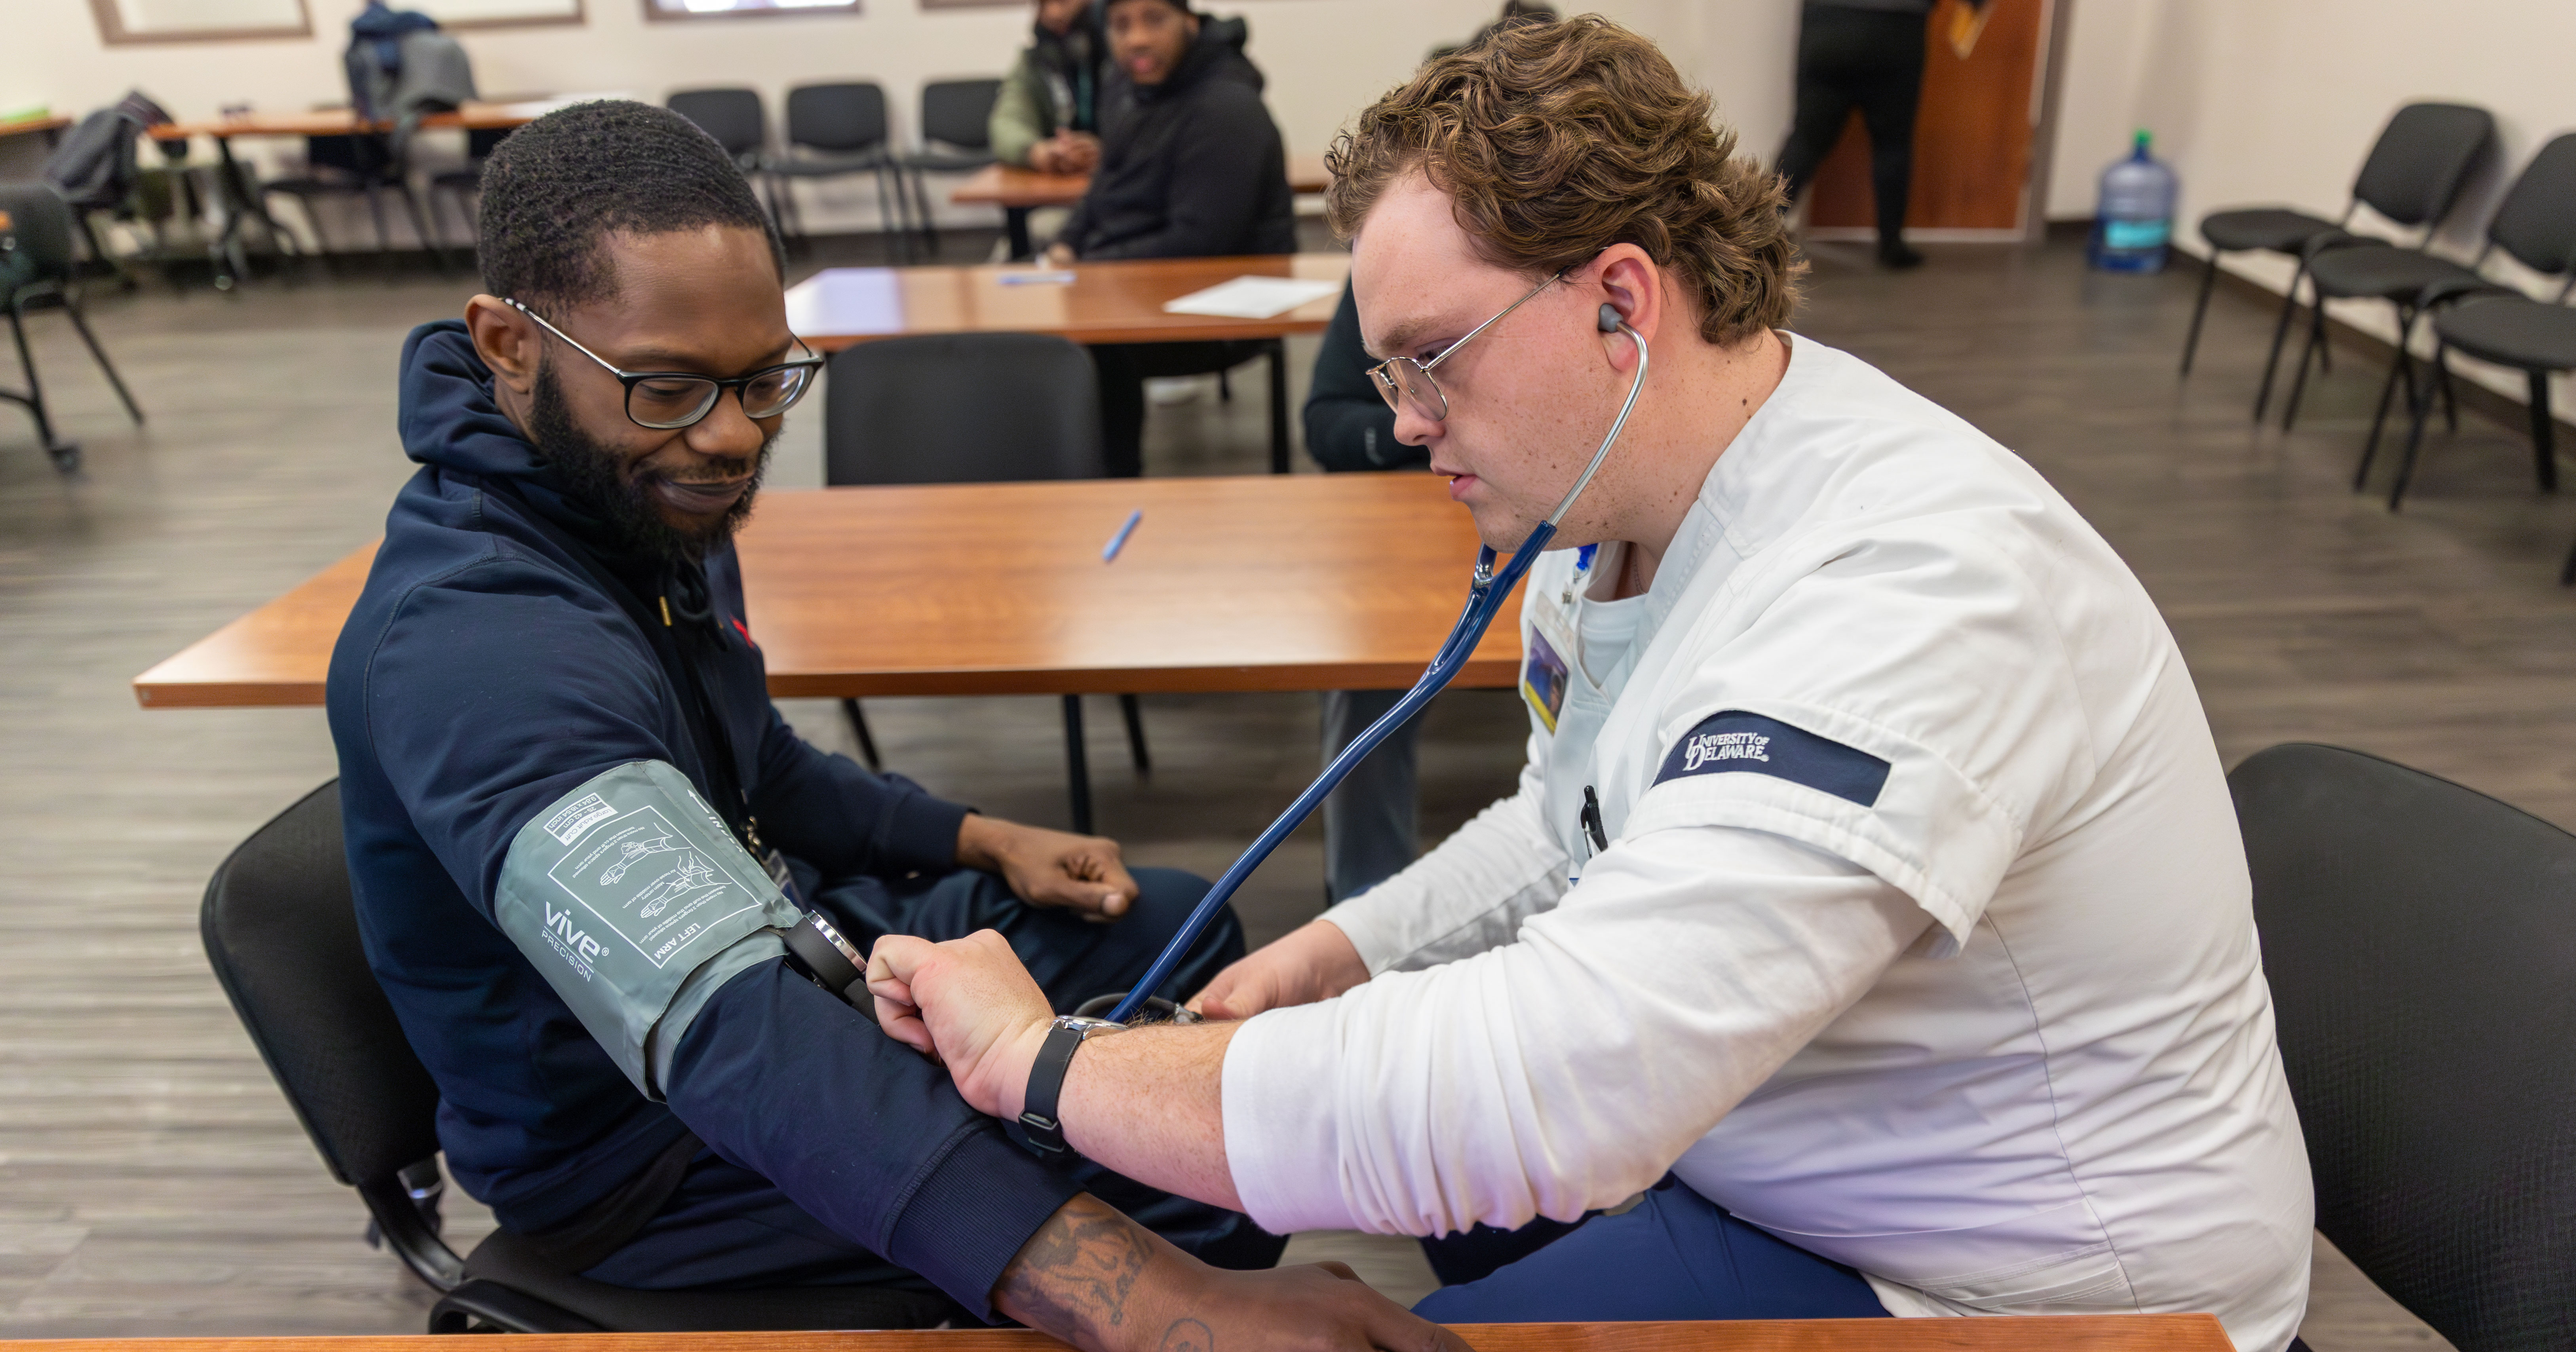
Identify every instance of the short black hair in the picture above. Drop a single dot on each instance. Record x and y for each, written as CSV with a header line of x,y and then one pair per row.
x,y
554,187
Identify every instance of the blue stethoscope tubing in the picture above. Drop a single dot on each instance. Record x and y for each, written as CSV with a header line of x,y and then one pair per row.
x,y
1486,592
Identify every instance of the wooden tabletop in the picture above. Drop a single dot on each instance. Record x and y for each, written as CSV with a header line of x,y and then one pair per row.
x,y
343,122
1005,185
2100,1333
1309,582
1103,303
20,126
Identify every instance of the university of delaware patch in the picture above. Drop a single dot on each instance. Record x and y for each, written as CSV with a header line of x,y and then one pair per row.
x,y
1738,742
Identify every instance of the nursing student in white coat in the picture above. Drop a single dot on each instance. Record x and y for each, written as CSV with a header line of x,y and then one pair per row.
x,y
1872,900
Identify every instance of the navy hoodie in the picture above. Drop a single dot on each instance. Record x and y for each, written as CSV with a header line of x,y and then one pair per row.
x,y
491,666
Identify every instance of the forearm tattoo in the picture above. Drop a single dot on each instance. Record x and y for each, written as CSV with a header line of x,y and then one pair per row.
x,y
1073,1277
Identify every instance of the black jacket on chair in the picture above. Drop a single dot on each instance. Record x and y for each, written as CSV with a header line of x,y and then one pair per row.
x,y
1190,168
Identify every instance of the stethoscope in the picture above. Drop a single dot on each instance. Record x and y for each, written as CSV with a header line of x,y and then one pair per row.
x,y
1486,592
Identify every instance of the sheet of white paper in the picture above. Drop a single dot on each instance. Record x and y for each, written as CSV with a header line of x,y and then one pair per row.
x,y
1251,297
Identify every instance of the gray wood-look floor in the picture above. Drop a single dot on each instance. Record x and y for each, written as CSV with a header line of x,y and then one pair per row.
x,y
153,1182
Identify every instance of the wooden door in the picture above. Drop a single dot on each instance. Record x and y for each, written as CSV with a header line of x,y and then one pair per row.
x,y
1972,140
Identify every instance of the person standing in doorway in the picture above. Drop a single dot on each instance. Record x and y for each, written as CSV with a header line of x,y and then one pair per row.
x,y
1865,54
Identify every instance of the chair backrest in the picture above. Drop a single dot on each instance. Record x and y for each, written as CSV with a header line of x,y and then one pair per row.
x,y
362,155
282,934
2416,168
93,167
2420,940
959,112
2536,221
41,226
732,116
839,118
961,408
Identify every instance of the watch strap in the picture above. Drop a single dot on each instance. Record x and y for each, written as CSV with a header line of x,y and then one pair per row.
x,y
1046,1085
826,959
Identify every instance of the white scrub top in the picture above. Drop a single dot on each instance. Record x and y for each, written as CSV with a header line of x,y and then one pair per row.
x,y
1921,937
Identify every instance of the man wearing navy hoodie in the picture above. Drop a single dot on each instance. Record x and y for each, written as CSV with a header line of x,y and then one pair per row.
x,y
608,890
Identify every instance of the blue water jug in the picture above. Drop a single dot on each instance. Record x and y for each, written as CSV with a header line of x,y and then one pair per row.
x,y
2133,222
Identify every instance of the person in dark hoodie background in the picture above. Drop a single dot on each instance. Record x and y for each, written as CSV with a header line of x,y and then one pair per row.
x,y
1191,166
1047,116
552,636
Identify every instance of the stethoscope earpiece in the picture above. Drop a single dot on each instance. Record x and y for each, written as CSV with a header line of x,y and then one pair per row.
x,y
1609,318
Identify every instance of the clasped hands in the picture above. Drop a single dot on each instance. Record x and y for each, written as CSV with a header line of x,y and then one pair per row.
x,y
969,1004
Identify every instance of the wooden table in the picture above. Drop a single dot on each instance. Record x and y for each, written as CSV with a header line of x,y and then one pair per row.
x,y
50,125
1249,583
1104,303
1315,582
247,205
2103,1333
1020,191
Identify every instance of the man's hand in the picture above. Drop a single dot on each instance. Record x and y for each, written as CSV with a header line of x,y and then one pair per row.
x,y
1066,152
967,1003
1059,255
1049,868
1313,962
1101,1282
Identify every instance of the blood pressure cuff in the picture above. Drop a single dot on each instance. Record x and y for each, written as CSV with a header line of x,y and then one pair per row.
x,y
635,901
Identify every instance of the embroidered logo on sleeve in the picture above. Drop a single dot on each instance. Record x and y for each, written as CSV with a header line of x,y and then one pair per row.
x,y
1738,741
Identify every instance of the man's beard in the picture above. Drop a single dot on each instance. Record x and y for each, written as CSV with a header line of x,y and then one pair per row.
x,y
596,477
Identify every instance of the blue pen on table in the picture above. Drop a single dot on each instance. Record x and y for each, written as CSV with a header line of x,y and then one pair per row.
x,y
1119,541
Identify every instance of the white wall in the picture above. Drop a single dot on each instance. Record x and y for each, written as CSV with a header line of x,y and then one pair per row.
x,y
2276,102
1325,59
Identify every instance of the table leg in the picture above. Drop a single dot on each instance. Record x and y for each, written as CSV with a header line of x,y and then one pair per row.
x,y
1278,406
246,205
1077,765
1015,223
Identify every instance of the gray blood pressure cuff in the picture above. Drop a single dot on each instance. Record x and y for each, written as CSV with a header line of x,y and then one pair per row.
x,y
635,901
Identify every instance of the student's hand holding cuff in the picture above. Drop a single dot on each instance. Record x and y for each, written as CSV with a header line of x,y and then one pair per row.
x,y
1313,962
1049,868
967,1003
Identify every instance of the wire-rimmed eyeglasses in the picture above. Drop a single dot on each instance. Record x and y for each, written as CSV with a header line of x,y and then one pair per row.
x,y
1402,380
663,400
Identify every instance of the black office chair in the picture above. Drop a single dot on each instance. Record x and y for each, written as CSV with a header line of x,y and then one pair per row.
x,y
923,411
2345,266
835,130
2420,940
2536,225
732,116
2415,167
354,166
36,266
282,935
957,114
464,185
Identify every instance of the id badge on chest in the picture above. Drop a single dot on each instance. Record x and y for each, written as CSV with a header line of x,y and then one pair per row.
x,y
1547,669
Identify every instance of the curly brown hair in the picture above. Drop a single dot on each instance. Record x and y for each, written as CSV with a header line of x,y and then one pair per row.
x,y
1558,140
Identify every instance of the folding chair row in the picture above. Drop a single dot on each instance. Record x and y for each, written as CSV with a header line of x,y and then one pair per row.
x,y
841,129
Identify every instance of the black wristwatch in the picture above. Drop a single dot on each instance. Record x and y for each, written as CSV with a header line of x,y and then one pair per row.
x,y
1046,1078
818,951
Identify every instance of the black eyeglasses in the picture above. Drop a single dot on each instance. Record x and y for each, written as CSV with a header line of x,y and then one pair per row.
x,y
663,400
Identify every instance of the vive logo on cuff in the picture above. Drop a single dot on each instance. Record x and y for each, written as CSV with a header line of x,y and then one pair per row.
x,y
1736,741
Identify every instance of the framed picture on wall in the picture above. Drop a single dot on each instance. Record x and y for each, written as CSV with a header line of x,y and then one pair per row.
x,y
136,21
496,13
743,9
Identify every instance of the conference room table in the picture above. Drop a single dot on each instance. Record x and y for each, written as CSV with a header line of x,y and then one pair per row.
x,y
243,196
2079,1333
1233,584
1020,191
48,125
1118,302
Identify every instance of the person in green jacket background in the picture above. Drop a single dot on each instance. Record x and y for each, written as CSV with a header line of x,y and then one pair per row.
x,y
1048,115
